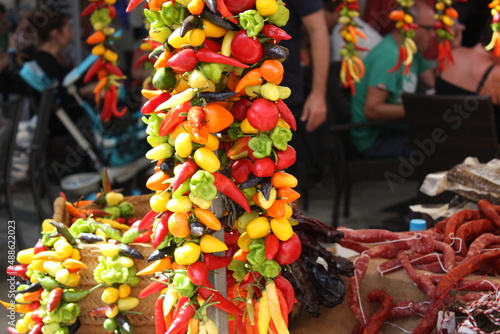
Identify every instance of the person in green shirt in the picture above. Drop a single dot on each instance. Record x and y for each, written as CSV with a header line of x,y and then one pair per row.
x,y
378,94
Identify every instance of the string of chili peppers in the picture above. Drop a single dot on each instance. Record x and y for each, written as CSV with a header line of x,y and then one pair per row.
x,y
352,68
406,26
495,26
218,127
445,29
105,68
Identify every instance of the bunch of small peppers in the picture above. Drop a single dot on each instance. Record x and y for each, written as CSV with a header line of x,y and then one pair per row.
x,y
218,127
49,299
495,26
352,68
406,26
444,25
105,68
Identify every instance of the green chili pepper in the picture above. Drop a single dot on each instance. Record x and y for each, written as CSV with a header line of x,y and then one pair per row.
x,y
111,232
63,231
47,282
252,22
261,146
280,137
72,296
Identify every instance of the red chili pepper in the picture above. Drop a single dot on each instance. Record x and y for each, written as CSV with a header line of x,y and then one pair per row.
x,y
132,4
99,213
106,109
272,245
160,326
142,59
272,31
286,287
90,9
228,188
143,238
147,221
153,287
150,106
37,329
93,69
196,118
183,61
161,229
18,270
212,45
283,305
250,278
231,237
113,69
214,262
54,299
206,55
187,169
12,330
39,247
185,312
215,296
174,117
225,12
198,273
401,57
102,311
286,114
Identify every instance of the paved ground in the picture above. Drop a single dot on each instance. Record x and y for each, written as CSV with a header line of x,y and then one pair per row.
x,y
373,206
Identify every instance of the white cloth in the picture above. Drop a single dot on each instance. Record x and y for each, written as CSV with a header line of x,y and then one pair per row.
x,y
372,39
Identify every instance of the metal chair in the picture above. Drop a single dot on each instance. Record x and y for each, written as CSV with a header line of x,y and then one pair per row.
x,y
10,115
39,182
348,166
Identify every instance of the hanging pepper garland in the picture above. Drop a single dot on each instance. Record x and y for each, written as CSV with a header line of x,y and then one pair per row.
x,y
495,26
105,69
445,29
406,26
352,68
218,126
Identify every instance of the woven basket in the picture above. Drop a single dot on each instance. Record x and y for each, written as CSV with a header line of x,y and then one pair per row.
x,y
140,204
143,323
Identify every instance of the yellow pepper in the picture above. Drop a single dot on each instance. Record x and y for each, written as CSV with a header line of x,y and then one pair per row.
x,y
258,228
181,204
212,30
266,7
206,159
187,254
110,295
281,228
128,303
210,244
25,256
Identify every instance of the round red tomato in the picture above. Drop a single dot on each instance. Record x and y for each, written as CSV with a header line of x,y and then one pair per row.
x,y
240,109
241,169
246,49
285,158
238,6
263,167
263,115
289,251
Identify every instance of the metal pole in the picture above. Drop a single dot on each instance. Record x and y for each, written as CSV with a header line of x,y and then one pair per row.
x,y
218,279
77,31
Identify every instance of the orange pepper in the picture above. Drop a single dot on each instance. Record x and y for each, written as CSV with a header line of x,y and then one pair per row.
x,y
156,266
253,77
195,7
178,224
208,219
96,38
163,59
217,118
288,195
272,71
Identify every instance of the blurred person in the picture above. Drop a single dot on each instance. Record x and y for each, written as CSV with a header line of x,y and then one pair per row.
x,y
378,95
54,35
311,110
474,72
5,28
